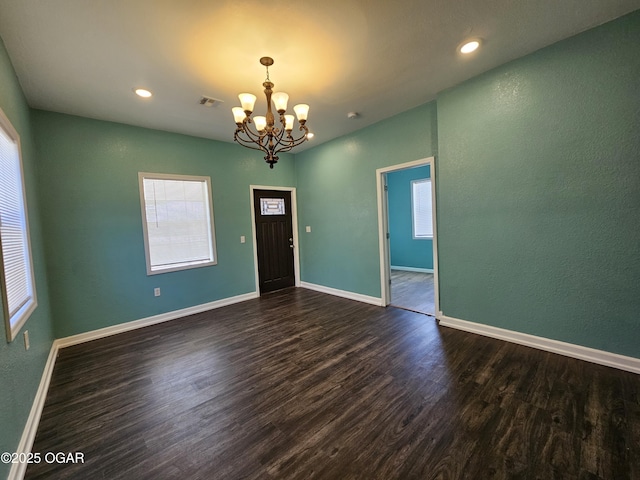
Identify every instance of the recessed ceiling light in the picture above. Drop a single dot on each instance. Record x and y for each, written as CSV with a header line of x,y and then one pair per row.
x,y
142,92
469,46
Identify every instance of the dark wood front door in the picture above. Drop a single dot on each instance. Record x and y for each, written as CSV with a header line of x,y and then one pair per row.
x,y
274,239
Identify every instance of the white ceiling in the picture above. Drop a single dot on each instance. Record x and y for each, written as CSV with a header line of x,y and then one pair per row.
x,y
374,57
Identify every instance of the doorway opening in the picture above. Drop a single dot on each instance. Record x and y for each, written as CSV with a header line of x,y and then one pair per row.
x,y
275,239
407,236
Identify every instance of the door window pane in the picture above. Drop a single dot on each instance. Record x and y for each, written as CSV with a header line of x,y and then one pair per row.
x,y
272,206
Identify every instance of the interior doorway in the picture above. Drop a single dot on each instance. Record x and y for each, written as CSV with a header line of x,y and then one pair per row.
x,y
275,238
407,231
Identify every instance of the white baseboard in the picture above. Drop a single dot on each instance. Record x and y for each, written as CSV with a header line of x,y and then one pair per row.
x,y
145,322
29,433
622,362
343,293
412,269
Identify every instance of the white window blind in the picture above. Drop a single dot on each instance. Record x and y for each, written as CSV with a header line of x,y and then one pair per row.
x,y
18,287
178,222
421,206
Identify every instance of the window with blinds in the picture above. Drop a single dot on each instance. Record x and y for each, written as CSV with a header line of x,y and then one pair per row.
x,y
177,214
421,208
18,288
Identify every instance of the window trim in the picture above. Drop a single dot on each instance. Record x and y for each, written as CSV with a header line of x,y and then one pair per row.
x,y
413,215
25,311
170,176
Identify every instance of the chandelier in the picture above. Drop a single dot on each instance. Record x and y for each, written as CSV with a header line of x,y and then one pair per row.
x,y
267,137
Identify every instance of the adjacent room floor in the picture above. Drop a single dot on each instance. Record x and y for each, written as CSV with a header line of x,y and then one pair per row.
x,y
299,385
413,291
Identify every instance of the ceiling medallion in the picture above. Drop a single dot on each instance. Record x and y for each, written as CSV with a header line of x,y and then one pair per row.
x,y
267,137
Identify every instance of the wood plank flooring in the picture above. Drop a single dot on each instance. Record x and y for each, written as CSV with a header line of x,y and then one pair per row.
x,y
413,291
302,385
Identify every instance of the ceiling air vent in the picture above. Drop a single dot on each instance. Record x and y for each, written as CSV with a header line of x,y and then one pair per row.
x,y
210,101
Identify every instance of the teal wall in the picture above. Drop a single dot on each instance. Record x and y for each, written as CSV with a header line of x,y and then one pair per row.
x,y
92,219
539,192
406,251
21,370
337,198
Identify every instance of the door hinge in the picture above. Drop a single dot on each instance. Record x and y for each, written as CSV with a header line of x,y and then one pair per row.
x,y
388,236
386,188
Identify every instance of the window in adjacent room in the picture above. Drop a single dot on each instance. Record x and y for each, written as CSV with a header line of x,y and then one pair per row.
x,y
18,287
177,219
421,208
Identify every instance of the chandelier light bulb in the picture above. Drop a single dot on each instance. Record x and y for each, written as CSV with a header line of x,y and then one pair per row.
x,y
302,111
280,100
247,100
261,123
289,119
238,114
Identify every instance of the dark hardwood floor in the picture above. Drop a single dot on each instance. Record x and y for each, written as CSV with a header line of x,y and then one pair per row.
x,y
413,291
301,385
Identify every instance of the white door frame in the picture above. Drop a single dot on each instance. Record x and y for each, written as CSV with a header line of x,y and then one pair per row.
x,y
294,220
383,229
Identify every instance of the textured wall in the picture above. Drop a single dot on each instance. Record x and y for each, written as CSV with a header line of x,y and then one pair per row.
x,y
405,250
337,198
21,370
539,192
88,172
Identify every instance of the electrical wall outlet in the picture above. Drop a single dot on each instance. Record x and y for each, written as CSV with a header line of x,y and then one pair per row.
x,y
242,239
26,340
156,292
307,229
